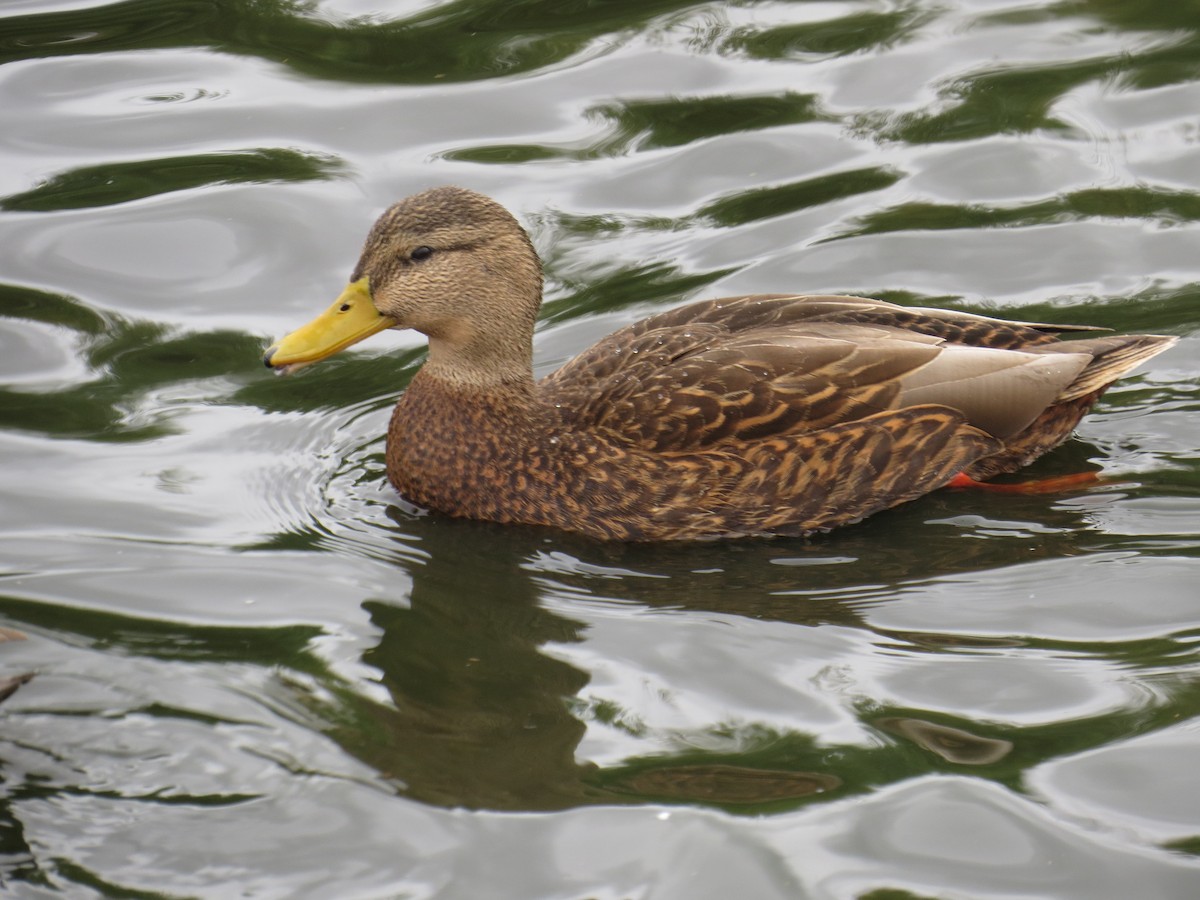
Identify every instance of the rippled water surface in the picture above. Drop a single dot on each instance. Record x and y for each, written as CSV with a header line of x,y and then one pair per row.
x,y
259,673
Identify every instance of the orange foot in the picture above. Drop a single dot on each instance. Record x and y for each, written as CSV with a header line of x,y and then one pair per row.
x,y
1037,486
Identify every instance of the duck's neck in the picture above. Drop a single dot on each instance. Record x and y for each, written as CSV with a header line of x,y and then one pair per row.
x,y
481,364
463,391
473,393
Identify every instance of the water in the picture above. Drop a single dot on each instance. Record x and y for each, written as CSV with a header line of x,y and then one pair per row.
x,y
260,673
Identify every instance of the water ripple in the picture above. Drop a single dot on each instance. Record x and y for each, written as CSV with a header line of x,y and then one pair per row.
x,y
224,600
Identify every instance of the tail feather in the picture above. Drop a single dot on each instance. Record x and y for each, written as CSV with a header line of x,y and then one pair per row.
x,y
1112,357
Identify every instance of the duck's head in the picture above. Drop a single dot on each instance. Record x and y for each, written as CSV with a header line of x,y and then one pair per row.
x,y
449,263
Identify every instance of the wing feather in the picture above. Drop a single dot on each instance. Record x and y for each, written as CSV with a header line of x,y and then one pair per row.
x,y
724,372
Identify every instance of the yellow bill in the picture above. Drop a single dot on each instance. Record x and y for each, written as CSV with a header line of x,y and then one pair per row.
x,y
351,318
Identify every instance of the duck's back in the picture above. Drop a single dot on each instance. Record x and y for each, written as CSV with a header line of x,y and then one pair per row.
x,y
744,368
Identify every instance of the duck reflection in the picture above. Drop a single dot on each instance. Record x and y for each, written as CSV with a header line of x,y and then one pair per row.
x,y
480,713
484,714
479,717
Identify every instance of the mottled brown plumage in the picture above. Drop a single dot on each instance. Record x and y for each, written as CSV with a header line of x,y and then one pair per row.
x,y
766,414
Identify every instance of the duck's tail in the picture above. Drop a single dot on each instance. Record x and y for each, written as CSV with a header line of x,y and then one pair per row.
x,y
1112,357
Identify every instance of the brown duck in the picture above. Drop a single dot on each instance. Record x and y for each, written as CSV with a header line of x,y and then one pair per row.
x,y
777,414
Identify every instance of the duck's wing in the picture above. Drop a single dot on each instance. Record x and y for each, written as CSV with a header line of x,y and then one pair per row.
x,y
743,369
709,389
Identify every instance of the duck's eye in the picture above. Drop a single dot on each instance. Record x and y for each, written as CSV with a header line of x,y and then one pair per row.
x,y
421,253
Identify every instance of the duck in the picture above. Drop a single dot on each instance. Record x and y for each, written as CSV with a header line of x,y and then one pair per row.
x,y
747,416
